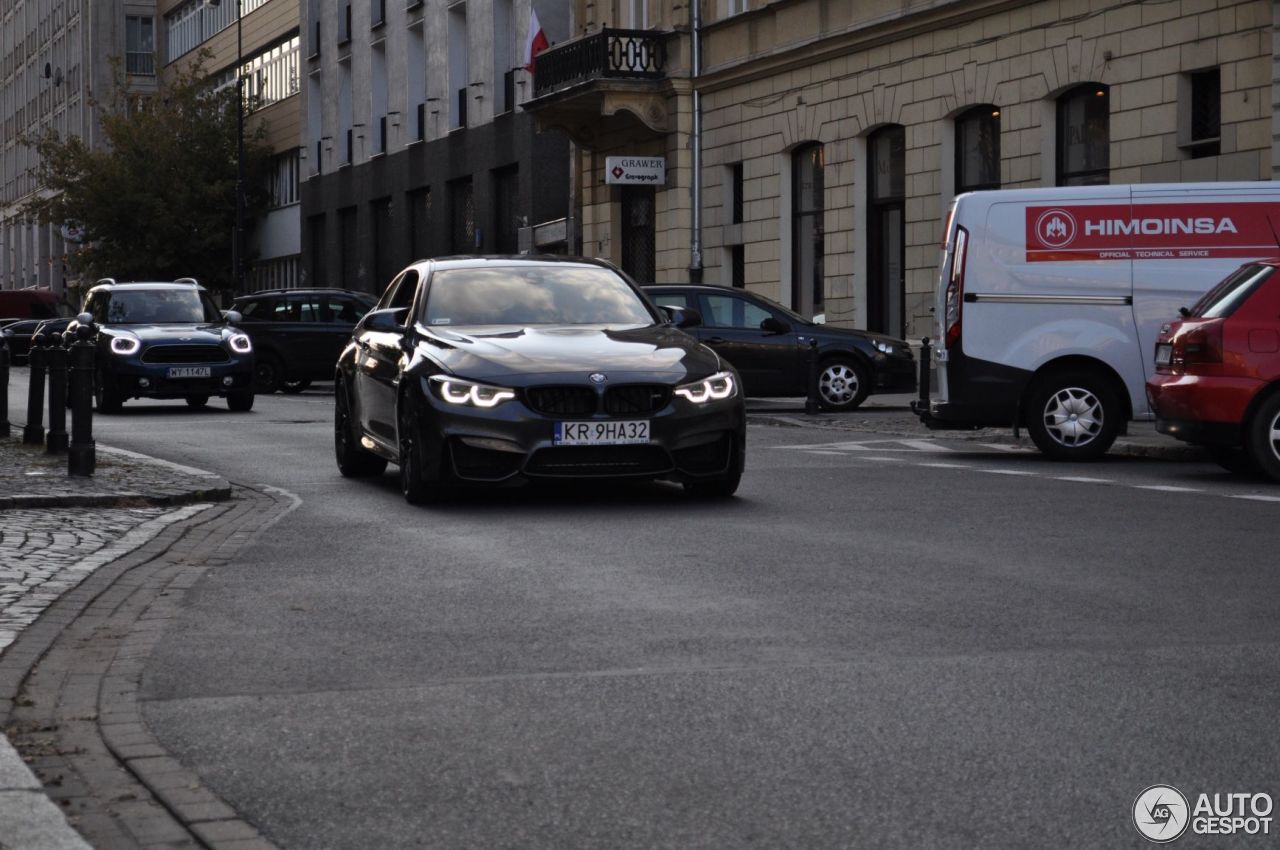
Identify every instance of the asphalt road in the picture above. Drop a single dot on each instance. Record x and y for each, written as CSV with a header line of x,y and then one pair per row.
x,y
880,643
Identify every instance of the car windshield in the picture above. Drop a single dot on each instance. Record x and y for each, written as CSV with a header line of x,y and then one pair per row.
x,y
160,306
532,295
1223,299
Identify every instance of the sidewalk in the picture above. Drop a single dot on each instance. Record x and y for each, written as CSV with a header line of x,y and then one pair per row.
x,y
54,532
891,414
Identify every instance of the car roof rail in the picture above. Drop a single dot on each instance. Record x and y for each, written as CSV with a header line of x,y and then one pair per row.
x,y
190,280
106,280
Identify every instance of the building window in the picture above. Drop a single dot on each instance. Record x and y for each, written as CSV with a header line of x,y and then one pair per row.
x,y
737,7
735,193
506,204
1084,136
420,223
140,45
282,184
462,202
349,264
459,67
378,98
886,231
1201,110
416,81
738,266
806,230
503,57
978,149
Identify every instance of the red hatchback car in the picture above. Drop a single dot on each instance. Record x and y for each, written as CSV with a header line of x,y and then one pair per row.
x,y
1217,375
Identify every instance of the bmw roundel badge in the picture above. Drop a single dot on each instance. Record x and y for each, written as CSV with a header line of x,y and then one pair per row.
x,y
598,378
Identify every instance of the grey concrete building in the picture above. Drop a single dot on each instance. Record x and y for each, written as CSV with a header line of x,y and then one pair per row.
x,y
416,141
55,58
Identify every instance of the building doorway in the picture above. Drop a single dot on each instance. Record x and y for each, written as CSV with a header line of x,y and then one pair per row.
x,y
639,234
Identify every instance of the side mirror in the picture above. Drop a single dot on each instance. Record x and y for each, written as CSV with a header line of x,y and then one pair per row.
x,y
773,325
232,317
389,321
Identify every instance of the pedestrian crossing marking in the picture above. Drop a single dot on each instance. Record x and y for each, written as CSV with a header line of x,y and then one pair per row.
x,y
1256,498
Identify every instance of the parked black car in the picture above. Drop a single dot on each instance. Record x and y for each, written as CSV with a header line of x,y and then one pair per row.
x,y
20,333
298,333
167,340
490,370
769,346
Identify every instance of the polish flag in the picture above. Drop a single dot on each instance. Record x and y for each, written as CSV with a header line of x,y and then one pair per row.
x,y
536,40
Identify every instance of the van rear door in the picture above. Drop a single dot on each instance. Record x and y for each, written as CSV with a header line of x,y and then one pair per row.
x,y
1190,237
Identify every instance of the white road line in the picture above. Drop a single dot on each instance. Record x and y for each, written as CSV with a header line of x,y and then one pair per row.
x,y
884,459
940,465
829,454
1008,472
1080,479
1005,447
1256,498
925,445
1166,488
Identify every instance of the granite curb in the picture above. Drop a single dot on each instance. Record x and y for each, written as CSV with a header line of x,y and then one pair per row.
x,y
32,478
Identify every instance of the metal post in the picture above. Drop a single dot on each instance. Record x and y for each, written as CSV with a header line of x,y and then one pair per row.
x,y
33,432
239,246
56,358
82,455
4,384
811,402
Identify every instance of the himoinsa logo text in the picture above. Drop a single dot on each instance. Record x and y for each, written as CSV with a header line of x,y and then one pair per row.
x,y
1152,231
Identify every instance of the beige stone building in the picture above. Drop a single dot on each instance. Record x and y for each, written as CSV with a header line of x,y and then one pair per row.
x,y
835,133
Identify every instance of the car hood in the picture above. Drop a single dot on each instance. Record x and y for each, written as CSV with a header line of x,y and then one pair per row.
x,y
521,355
172,333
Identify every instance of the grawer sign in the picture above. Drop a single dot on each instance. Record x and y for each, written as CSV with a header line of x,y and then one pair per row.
x,y
1152,231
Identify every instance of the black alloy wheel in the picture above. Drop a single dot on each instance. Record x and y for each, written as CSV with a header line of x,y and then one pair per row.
x,y
268,373
721,486
293,387
240,401
418,486
353,461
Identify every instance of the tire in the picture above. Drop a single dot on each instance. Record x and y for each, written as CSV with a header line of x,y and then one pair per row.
x,y
1073,415
106,398
268,373
842,384
722,486
240,401
416,484
1234,459
196,402
353,460
1264,437
294,387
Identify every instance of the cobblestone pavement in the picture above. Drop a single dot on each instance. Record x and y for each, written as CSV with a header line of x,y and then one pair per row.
x,y
45,553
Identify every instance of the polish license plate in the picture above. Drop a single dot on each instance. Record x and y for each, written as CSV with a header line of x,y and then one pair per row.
x,y
614,433
189,372
1164,354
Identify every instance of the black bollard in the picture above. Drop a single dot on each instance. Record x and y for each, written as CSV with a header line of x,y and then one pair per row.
x,y
923,384
33,432
4,383
56,363
82,455
811,402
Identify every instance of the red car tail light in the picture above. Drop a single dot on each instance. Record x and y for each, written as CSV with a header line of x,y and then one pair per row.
x,y
1199,344
955,288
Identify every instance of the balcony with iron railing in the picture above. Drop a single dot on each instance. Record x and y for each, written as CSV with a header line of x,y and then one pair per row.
x,y
609,80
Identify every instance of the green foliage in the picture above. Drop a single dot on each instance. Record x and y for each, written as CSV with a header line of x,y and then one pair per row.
x,y
157,202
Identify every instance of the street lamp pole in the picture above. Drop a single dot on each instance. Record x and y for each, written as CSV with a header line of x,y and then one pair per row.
x,y
237,247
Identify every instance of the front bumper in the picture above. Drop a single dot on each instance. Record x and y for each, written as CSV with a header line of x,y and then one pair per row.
x,y
895,374
134,379
512,442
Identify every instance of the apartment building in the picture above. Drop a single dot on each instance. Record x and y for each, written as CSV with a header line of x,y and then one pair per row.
x,y
830,136
416,142
262,39
55,58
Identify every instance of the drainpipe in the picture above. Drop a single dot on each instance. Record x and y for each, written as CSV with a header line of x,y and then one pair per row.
x,y
695,190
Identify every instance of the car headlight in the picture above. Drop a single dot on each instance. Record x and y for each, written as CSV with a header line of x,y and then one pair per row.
x,y
716,388
240,343
125,345
458,391
887,348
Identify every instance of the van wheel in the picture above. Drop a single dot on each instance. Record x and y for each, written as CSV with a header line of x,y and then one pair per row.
x,y
1264,436
1073,415
842,385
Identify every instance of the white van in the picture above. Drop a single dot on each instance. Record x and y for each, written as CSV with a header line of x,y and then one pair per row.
x,y
1049,301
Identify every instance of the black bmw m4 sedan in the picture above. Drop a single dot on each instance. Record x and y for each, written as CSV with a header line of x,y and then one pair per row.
x,y
492,370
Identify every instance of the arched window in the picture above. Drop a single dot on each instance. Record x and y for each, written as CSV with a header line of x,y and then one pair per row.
x,y
978,149
1084,136
806,230
886,230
